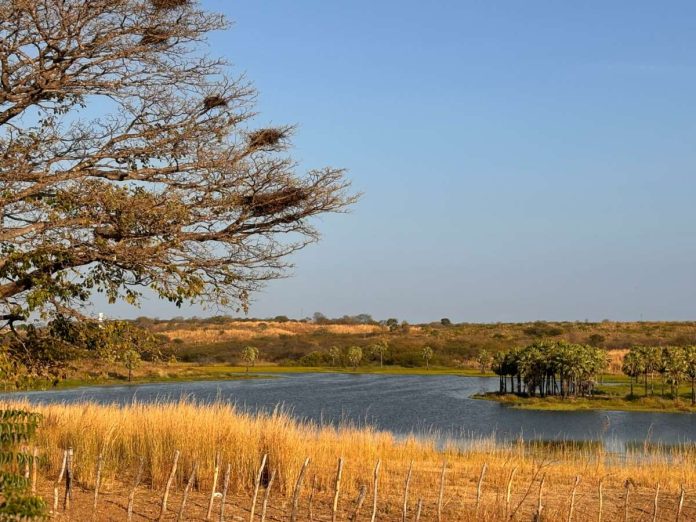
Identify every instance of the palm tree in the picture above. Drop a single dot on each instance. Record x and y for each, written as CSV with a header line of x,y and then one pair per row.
x,y
427,355
558,368
690,369
355,355
632,366
675,365
249,356
380,348
484,360
498,367
334,354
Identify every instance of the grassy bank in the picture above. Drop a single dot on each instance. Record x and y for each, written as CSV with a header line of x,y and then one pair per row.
x,y
90,373
597,402
477,480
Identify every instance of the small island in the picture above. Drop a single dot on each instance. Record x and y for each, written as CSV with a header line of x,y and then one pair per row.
x,y
564,376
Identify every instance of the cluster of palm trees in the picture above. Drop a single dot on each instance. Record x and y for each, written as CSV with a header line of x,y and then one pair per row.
x,y
550,368
674,364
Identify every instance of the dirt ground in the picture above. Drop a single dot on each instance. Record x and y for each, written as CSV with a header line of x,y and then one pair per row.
x,y
112,506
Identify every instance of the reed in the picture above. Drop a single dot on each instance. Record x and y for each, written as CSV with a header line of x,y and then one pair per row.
x,y
478,480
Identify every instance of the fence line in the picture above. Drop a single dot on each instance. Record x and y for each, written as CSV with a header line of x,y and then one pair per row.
x,y
491,499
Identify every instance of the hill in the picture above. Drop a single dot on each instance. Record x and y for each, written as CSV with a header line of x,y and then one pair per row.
x,y
288,342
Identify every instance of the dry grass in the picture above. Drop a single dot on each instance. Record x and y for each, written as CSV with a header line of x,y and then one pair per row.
x,y
246,330
156,431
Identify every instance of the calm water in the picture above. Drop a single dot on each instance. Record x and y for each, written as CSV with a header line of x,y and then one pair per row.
x,y
402,404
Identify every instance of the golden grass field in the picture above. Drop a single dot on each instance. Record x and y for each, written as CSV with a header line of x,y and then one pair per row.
x,y
614,335
243,330
156,431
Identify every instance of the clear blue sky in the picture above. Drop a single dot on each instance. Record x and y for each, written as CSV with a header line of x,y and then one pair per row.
x,y
520,160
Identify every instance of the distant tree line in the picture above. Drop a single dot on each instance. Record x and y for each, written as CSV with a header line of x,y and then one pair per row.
x,y
674,365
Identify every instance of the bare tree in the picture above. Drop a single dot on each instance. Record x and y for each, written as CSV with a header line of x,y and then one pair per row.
x,y
128,161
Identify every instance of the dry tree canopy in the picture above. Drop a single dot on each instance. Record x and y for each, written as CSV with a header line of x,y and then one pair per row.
x,y
112,178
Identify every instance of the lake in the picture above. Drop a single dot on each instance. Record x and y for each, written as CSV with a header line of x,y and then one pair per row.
x,y
403,404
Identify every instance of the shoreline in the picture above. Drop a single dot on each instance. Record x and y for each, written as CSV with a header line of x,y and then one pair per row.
x,y
186,372
636,404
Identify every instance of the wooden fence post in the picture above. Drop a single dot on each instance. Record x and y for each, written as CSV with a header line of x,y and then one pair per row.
x,y
296,492
266,495
572,498
442,491
136,482
540,507
627,485
310,503
257,484
680,504
225,486
97,480
56,485
406,484
657,493
187,488
479,486
68,480
508,492
375,483
165,497
337,489
216,472
359,502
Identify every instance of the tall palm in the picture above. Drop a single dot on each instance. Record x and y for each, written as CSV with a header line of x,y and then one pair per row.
x,y
690,369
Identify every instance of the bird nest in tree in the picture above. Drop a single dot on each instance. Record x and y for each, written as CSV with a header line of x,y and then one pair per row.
x,y
210,102
266,138
275,202
169,4
154,36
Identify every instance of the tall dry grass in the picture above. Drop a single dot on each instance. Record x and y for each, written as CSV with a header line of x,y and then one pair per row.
x,y
155,431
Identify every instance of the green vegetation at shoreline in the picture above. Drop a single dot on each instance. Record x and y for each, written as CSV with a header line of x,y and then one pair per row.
x,y
182,372
596,402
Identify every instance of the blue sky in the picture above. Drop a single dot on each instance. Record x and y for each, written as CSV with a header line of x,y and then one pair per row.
x,y
520,160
